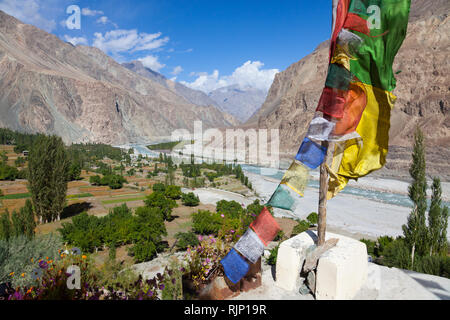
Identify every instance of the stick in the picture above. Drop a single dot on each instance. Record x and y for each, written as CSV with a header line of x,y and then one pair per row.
x,y
322,224
312,259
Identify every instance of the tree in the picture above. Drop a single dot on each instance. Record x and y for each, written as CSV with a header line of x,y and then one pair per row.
x,y
438,221
158,200
94,180
159,187
173,192
6,229
47,177
74,172
415,231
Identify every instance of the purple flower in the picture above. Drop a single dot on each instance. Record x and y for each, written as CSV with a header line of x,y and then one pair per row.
x,y
182,269
222,215
150,293
161,287
43,264
173,281
232,231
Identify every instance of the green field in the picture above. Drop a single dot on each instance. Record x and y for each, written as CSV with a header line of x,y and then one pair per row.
x,y
80,195
16,196
123,200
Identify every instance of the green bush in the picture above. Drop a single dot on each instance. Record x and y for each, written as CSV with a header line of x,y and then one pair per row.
x,y
158,200
313,218
397,254
143,251
159,187
190,199
435,265
382,243
231,209
302,226
94,180
206,222
173,192
370,247
185,239
272,260
7,172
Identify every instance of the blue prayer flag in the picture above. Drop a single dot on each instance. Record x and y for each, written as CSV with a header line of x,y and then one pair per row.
x,y
311,154
235,266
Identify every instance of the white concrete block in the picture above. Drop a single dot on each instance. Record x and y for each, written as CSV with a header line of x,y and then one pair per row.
x,y
341,271
290,259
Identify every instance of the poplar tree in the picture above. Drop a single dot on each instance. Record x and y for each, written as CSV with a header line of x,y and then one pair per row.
x,y
415,231
47,177
6,229
437,220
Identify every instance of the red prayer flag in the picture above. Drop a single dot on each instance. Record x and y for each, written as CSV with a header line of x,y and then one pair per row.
x,y
332,102
356,23
265,226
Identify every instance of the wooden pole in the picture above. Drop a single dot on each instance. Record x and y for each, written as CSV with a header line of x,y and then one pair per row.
x,y
322,223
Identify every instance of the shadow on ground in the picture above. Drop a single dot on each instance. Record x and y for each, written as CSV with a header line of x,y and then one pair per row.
x,y
75,209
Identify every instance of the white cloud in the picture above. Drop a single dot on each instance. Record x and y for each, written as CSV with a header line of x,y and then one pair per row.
x,y
28,11
177,70
76,40
152,63
116,41
104,20
91,13
250,74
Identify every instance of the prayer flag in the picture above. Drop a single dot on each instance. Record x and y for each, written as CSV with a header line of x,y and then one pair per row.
x,y
234,266
265,226
250,246
311,154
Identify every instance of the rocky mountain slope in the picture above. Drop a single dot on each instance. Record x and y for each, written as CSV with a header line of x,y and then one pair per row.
x,y
81,94
240,102
423,91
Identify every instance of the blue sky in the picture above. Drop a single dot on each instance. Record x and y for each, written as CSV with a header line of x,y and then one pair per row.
x,y
205,44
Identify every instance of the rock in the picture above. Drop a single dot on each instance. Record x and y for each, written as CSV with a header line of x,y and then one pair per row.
x,y
304,290
341,271
311,281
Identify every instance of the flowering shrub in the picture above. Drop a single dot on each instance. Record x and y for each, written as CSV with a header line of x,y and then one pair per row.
x,y
19,256
52,277
203,260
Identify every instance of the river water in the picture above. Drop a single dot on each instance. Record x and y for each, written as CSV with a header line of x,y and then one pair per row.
x,y
378,196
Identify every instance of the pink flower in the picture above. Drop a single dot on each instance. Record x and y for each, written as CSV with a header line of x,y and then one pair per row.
x,y
200,238
232,231
222,215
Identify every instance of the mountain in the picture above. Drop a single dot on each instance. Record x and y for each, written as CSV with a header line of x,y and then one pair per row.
x,y
240,102
423,91
81,94
196,97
